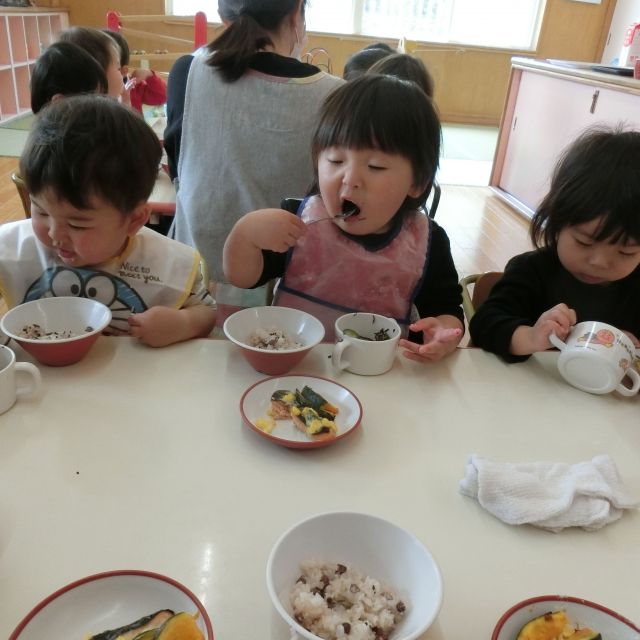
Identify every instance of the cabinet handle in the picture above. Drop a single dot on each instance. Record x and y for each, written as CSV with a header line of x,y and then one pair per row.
x,y
594,101
515,122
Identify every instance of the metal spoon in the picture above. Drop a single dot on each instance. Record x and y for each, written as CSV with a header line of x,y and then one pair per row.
x,y
343,215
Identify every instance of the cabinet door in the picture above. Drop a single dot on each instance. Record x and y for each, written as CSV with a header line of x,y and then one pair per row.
x,y
549,113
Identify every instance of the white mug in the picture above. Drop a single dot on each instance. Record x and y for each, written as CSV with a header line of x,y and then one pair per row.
x,y
10,389
366,343
596,357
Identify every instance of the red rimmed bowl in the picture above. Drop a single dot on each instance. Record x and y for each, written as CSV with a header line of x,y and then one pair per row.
x,y
297,325
580,613
108,600
84,318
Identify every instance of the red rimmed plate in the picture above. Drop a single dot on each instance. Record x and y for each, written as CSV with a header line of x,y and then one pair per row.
x,y
107,600
256,400
580,613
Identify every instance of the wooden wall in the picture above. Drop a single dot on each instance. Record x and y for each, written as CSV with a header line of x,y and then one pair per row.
x,y
471,82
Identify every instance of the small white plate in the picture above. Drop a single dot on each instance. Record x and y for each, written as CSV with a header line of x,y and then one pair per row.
x,y
107,601
256,400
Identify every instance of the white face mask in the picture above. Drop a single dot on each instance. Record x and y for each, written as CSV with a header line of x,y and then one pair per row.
x,y
296,50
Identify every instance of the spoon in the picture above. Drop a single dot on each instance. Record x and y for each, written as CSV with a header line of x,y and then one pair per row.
x,y
343,215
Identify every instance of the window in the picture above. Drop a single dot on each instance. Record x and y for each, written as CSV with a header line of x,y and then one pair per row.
x,y
511,24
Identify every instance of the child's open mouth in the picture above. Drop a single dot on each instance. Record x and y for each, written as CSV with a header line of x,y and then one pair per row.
x,y
348,209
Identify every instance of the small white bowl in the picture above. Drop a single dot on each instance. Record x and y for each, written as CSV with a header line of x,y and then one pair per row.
x,y
58,314
582,613
376,548
297,325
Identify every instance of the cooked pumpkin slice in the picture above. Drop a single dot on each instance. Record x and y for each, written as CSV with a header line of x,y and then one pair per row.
x,y
553,625
181,626
130,631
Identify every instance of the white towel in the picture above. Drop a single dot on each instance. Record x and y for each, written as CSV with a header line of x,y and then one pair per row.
x,y
550,495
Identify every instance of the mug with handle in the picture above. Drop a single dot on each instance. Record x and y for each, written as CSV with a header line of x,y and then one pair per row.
x,y
596,357
366,343
10,388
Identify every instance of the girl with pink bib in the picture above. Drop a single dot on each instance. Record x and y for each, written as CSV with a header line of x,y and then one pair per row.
x,y
361,241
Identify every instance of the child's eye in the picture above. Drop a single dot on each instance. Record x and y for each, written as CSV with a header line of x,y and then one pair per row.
x,y
583,243
77,227
629,254
334,161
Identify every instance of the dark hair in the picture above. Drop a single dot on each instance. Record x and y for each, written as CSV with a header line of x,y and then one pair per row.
x,y
361,61
93,41
64,68
405,66
252,24
386,113
87,146
123,45
381,45
597,176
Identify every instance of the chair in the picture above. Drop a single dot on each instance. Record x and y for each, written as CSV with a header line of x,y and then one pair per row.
x,y
23,193
435,200
482,285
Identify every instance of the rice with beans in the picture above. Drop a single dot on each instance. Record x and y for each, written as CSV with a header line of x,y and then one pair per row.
x,y
337,602
272,339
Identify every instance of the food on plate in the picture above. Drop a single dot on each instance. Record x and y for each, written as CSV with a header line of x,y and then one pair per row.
x,y
273,339
337,602
555,625
161,625
310,412
266,424
382,334
36,332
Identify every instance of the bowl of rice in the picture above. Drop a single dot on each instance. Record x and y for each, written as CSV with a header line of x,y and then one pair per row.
x,y
56,331
273,340
347,575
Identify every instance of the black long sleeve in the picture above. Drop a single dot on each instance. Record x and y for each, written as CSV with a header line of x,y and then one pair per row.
x,y
536,281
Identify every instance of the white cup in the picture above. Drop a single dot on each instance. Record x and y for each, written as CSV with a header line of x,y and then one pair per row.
x,y
365,355
596,357
10,388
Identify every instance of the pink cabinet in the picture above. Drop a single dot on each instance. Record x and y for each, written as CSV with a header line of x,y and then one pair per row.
x,y
23,34
546,108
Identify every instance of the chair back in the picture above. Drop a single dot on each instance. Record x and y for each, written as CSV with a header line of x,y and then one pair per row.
x,y
23,193
482,284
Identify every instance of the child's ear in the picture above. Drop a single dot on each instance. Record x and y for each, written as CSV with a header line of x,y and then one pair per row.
x,y
417,190
138,218
124,69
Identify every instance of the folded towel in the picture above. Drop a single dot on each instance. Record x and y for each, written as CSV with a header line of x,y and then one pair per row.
x,y
549,495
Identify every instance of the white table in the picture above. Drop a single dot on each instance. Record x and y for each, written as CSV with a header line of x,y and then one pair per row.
x,y
137,458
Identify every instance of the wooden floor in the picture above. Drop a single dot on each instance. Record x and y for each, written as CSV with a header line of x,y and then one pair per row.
x,y
484,232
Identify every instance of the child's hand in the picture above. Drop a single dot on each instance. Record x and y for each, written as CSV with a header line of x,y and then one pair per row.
x,y
439,339
157,327
273,229
558,320
636,342
140,75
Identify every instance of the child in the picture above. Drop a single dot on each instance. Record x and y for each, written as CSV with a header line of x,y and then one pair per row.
x,y
358,63
407,67
141,86
585,267
89,166
375,153
104,49
62,69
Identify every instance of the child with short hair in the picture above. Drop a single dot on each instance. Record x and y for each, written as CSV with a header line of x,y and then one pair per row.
x,y
407,67
586,265
103,48
141,86
361,61
375,153
89,166
62,69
